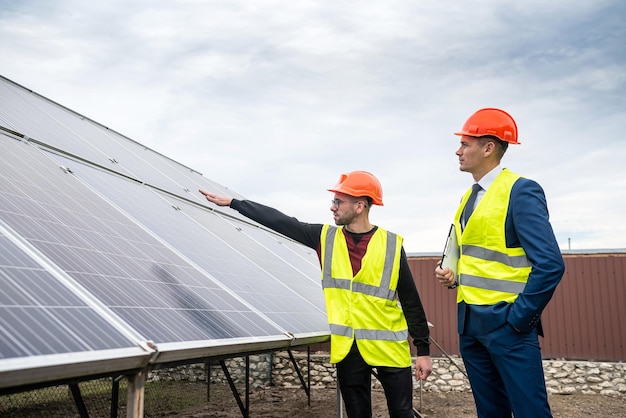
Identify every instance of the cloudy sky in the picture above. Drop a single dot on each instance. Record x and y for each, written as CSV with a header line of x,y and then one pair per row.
x,y
275,98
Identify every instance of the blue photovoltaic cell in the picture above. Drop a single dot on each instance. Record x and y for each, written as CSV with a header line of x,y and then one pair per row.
x,y
147,284
41,316
280,288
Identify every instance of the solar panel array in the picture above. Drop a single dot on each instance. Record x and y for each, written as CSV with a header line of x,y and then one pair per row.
x,y
108,253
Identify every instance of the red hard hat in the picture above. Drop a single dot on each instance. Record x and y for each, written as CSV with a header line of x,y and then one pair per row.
x,y
491,122
360,183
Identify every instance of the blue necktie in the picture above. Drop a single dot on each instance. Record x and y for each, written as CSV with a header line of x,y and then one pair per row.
x,y
469,206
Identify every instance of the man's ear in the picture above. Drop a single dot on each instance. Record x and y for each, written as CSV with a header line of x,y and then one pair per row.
x,y
362,206
489,148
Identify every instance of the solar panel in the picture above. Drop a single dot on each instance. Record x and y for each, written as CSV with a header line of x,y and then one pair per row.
x,y
283,292
135,275
42,120
106,245
74,134
41,317
47,331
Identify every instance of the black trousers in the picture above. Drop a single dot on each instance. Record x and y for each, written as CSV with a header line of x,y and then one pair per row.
x,y
354,377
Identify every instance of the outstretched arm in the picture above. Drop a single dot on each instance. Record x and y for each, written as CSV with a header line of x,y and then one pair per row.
x,y
305,233
217,199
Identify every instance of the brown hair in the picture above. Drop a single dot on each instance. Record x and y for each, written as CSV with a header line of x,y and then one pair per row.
x,y
501,146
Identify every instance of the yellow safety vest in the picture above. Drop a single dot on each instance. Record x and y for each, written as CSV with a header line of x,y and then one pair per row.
x,y
489,272
364,307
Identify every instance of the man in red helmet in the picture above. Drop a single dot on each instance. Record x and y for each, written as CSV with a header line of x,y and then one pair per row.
x,y
508,268
371,299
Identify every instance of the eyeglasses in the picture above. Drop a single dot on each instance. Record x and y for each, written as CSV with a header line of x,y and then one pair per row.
x,y
337,202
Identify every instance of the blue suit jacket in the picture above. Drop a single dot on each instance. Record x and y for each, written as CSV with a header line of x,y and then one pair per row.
x,y
527,225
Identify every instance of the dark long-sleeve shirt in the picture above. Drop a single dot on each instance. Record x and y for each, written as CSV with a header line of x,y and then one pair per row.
x,y
310,235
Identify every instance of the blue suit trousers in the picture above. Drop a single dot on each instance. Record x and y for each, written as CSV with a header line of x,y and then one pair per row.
x,y
505,372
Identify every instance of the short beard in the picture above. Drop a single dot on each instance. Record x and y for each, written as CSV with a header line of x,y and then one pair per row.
x,y
345,219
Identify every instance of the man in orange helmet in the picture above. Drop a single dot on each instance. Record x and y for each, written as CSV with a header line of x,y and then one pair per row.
x,y
508,268
365,274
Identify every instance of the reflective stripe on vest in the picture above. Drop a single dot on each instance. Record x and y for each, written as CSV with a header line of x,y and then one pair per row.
x,y
486,283
475,251
492,284
368,334
382,291
489,272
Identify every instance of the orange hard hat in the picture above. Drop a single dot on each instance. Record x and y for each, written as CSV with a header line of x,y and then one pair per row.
x,y
360,183
491,122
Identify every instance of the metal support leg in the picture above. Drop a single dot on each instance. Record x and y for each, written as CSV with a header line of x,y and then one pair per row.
x,y
207,372
115,395
449,357
231,383
421,392
305,385
78,398
308,372
247,383
339,402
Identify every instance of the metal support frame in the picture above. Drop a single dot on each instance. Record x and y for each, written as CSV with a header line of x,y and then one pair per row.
x,y
115,395
78,398
135,398
207,372
305,385
339,402
245,409
449,357
244,405
73,385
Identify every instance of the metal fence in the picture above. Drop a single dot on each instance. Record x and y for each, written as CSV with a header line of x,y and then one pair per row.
x,y
581,322
168,392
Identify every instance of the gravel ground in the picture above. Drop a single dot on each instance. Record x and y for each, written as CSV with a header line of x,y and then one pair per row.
x,y
278,402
